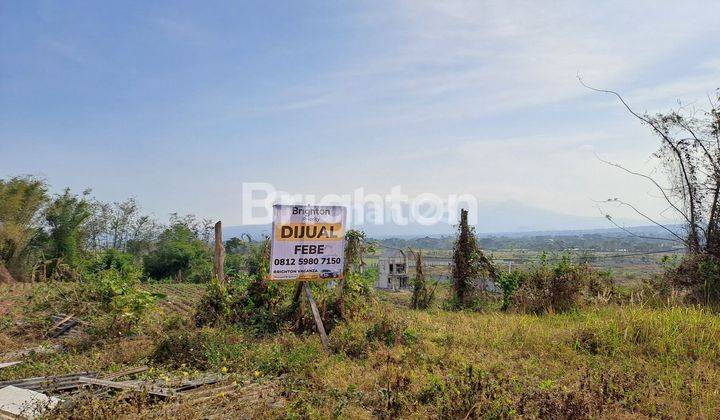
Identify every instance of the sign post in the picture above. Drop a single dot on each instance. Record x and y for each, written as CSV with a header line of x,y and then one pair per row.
x,y
316,316
308,244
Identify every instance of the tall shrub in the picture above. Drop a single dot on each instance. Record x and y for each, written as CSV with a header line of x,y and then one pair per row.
x,y
469,263
551,288
422,296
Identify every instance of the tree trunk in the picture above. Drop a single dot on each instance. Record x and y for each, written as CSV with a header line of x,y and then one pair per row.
x,y
5,276
219,267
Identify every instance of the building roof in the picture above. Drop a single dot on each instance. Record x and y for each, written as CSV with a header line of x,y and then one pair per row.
x,y
391,253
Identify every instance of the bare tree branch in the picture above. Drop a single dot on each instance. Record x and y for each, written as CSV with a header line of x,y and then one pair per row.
x,y
656,238
648,218
693,242
649,178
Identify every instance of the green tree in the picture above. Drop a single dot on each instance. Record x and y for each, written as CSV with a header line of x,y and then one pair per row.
x,y
509,283
179,254
258,262
65,217
22,200
237,245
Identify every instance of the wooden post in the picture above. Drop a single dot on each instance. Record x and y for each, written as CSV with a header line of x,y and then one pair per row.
x,y
219,267
316,315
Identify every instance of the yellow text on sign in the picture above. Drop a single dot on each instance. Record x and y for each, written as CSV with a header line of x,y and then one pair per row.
x,y
311,232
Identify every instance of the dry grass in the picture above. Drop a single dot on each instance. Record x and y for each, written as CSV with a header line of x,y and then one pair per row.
x,y
624,362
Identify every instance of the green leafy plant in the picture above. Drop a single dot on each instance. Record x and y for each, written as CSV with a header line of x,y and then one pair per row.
x,y
508,283
422,296
180,255
546,287
119,294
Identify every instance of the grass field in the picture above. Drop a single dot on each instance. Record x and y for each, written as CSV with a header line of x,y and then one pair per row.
x,y
629,362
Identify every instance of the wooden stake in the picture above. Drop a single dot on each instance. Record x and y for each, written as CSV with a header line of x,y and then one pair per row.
x,y
219,268
316,315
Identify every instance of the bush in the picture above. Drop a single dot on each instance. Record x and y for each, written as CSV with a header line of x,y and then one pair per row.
x,y
508,283
545,288
246,301
697,277
468,393
389,331
118,293
266,307
235,265
121,301
110,300
202,349
350,339
357,339
114,259
180,255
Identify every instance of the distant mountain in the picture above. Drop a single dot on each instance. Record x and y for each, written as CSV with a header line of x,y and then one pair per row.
x,y
508,218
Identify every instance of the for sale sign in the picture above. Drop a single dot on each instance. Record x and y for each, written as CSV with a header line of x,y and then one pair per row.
x,y
308,242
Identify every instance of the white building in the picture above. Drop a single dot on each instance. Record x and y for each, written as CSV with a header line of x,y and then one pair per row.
x,y
392,270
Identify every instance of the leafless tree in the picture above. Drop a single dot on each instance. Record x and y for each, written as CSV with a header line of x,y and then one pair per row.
x,y
690,155
116,225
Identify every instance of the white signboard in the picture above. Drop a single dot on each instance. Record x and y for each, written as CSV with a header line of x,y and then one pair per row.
x,y
308,242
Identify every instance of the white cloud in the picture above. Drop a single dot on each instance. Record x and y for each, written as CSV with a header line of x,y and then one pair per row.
x,y
693,89
456,59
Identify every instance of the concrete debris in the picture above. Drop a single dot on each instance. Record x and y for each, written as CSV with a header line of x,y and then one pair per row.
x,y
24,403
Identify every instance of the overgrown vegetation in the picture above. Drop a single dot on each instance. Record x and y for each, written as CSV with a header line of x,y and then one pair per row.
x,y
44,237
179,254
469,265
553,288
566,343
601,361
21,202
690,155
422,296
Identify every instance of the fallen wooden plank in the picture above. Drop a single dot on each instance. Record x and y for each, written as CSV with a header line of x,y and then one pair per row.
x,y
34,350
197,383
8,364
48,383
58,323
64,328
127,386
126,372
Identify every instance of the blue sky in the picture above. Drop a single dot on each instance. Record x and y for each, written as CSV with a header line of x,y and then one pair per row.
x,y
178,103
